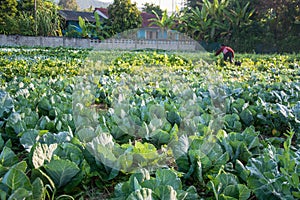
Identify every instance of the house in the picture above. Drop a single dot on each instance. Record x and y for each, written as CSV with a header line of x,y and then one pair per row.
x,y
71,20
147,31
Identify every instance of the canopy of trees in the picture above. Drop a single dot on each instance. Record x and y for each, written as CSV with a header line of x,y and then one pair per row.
x,y
68,4
8,8
244,24
150,8
124,15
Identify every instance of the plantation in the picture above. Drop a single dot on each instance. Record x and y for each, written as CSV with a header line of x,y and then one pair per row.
x,y
83,124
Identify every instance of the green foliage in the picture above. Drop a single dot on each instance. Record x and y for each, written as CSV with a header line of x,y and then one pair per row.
x,y
150,59
24,24
226,186
206,21
243,24
61,168
68,4
43,20
150,7
165,22
200,29
27,5
84,27
165,185
32,67
278,20
123,15
279,165
47,20
8,10
99,30
160,130
193,3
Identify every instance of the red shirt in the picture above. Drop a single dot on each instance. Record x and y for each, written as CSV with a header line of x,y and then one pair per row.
x,y
224,50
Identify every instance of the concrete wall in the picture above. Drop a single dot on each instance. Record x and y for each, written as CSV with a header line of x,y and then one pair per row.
x,y
109,44
17,40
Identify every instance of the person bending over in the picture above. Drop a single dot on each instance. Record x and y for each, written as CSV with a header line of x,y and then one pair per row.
x,y
227,52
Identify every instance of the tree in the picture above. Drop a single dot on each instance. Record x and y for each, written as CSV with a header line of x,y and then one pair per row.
x,y
218,20
207,21
165,22
7,8
39,17
198,24
100,29
278,15
89,30
43,21
26,5
47,19
238,18
150,7
123,16
68,4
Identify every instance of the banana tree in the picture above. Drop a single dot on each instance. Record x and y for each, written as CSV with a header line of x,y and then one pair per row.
x,y
216,10
202,25
85,28
198,23
239,17
100,29
165,22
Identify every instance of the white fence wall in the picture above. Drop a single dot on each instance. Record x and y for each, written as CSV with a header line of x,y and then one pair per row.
x,y
109,44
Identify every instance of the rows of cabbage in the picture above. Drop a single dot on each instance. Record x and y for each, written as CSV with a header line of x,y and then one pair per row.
x,y
40,62
148,129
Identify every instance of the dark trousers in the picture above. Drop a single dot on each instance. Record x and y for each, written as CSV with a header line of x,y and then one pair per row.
x,y
228,55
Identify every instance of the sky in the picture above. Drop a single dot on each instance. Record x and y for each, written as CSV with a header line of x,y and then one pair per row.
x,y
170,5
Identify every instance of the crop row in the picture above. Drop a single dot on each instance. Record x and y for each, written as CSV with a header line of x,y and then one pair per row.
x,y
151,125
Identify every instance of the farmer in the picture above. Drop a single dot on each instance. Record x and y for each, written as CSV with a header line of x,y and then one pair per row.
x,y
227,52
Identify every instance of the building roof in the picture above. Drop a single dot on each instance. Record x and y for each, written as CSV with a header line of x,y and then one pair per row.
x,y
70,15
102,12
145,17
146,20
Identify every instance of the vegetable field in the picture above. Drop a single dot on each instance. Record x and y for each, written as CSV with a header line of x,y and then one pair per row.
x,y
83,124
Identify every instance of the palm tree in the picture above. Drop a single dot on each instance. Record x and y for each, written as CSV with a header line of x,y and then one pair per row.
x,y
100,30
198,23
239,17
165,22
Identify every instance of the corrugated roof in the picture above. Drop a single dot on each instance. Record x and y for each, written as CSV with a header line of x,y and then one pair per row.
x,y
70,15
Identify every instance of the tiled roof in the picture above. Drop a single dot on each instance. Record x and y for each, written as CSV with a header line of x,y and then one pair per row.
x,y
146,20
70,15
145,16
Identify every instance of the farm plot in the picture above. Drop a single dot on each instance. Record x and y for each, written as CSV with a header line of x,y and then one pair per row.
x,y
77,124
